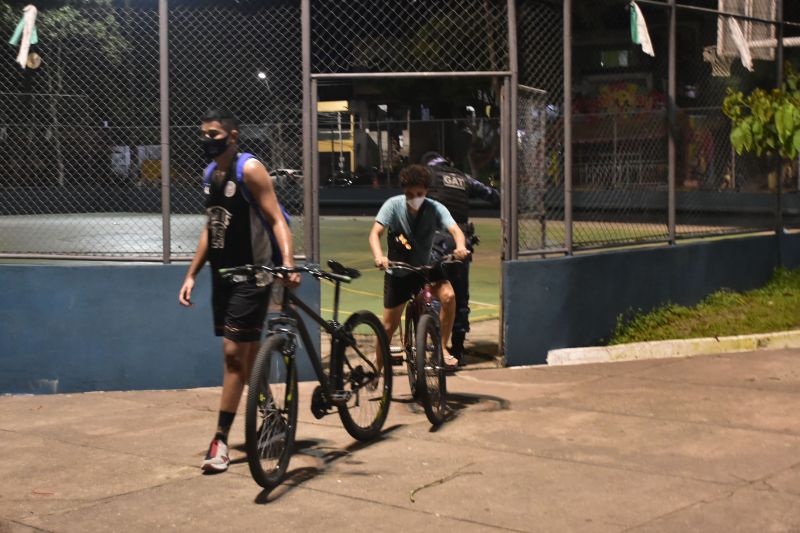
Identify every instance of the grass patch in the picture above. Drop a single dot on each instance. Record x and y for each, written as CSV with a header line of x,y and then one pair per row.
x,y
774,307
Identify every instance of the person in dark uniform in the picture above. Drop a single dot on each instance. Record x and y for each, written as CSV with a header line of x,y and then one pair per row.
x,y
243,213
453,188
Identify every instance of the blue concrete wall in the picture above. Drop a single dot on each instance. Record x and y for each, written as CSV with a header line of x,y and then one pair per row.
x,y
81,327
84,327
574,301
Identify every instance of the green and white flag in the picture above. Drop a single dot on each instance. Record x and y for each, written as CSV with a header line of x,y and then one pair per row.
x,y
639,33
26,30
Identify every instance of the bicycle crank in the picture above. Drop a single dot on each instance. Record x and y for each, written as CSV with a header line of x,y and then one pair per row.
x,y
319,404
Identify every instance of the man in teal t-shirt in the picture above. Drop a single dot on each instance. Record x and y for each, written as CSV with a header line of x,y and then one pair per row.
x,y
412,221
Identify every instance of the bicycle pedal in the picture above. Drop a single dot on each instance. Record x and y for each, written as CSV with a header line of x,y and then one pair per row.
x,y
396,350
319,406
397,360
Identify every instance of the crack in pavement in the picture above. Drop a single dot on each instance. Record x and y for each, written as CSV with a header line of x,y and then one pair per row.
x,y
444,480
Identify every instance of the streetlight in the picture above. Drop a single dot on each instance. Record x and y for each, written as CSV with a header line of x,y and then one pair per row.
x,y
261,75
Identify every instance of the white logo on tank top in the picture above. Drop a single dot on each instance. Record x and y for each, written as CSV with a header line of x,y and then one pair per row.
x,y
218,220
230,189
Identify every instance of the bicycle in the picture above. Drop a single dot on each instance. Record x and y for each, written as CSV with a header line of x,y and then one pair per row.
x,y
422,344
359,385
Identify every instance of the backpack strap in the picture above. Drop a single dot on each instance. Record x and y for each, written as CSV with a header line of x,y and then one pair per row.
x,y
240,162
244,158
208,172
277,258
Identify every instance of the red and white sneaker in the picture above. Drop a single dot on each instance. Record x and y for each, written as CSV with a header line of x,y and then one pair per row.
x,y
217,457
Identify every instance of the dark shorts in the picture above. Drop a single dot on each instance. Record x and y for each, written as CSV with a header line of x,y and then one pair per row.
x,y
239,310
398,290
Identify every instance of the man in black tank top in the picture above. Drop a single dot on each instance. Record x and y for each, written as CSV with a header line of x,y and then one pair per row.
x,y
236,233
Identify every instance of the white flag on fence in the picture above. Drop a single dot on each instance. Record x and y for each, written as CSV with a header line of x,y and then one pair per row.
x,y
639,33
26,32
741,44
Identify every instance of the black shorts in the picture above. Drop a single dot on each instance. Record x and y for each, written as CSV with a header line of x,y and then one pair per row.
x,y
399,289
239,310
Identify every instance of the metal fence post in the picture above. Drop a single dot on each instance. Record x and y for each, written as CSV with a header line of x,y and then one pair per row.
x,y
308,149
779,82
513,219
505,170
671,123
312,195
780,74
163,49
568,125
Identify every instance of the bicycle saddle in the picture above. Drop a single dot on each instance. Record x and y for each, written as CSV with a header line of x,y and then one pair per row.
x,y
342,270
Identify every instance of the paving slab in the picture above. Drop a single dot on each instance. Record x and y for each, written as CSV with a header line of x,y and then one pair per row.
x,y
737,407
742,510
709,443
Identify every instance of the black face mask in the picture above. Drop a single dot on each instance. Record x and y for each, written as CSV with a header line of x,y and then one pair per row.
x,y
213,147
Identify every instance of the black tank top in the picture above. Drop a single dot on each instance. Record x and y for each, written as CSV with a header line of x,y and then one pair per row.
x,y
236,234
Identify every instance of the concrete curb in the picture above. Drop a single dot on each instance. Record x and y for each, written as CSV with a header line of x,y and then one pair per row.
x,y
674,348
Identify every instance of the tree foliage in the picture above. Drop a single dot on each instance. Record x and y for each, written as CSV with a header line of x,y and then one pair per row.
x,y
766,122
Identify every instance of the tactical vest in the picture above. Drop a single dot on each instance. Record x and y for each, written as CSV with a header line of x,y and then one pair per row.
x,y
449,187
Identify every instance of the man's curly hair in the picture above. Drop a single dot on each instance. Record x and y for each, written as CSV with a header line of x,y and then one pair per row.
x,y
415,176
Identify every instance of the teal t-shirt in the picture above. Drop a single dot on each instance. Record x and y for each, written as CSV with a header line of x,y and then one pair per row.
x,y
395,216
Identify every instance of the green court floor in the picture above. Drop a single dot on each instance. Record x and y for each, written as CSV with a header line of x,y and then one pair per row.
x,y
345,239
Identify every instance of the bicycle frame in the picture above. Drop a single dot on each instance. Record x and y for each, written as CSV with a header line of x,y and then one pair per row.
x,y
290,317
422,302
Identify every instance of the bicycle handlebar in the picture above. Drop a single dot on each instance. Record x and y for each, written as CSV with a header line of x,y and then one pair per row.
x,y
282,271
423,269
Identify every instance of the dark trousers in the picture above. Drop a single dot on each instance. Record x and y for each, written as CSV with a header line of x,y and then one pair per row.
x,y
458,276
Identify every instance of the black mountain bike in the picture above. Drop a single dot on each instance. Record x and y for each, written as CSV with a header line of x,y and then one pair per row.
x,y
422,344
359,383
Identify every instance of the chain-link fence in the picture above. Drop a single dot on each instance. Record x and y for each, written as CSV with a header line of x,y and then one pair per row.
x,y
621,124
80,135
69,128
80,138
718,192
619,134
247,61
540,130
420,36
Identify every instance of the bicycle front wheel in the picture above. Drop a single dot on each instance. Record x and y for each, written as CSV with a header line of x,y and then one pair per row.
x,y
271,417
363,375
431,378
410,348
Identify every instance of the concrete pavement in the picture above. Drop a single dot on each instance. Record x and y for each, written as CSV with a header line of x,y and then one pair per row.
x,y
709,443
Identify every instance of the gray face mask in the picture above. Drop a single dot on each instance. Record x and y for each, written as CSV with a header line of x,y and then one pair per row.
x,y
415,203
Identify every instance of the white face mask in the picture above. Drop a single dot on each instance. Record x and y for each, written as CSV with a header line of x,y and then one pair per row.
x,y
415,203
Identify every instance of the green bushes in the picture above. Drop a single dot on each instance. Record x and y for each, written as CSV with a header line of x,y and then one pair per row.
x,y
774,307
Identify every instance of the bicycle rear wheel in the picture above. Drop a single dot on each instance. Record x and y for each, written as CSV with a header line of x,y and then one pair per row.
x,y
271,416
362,370
431,378
410,348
